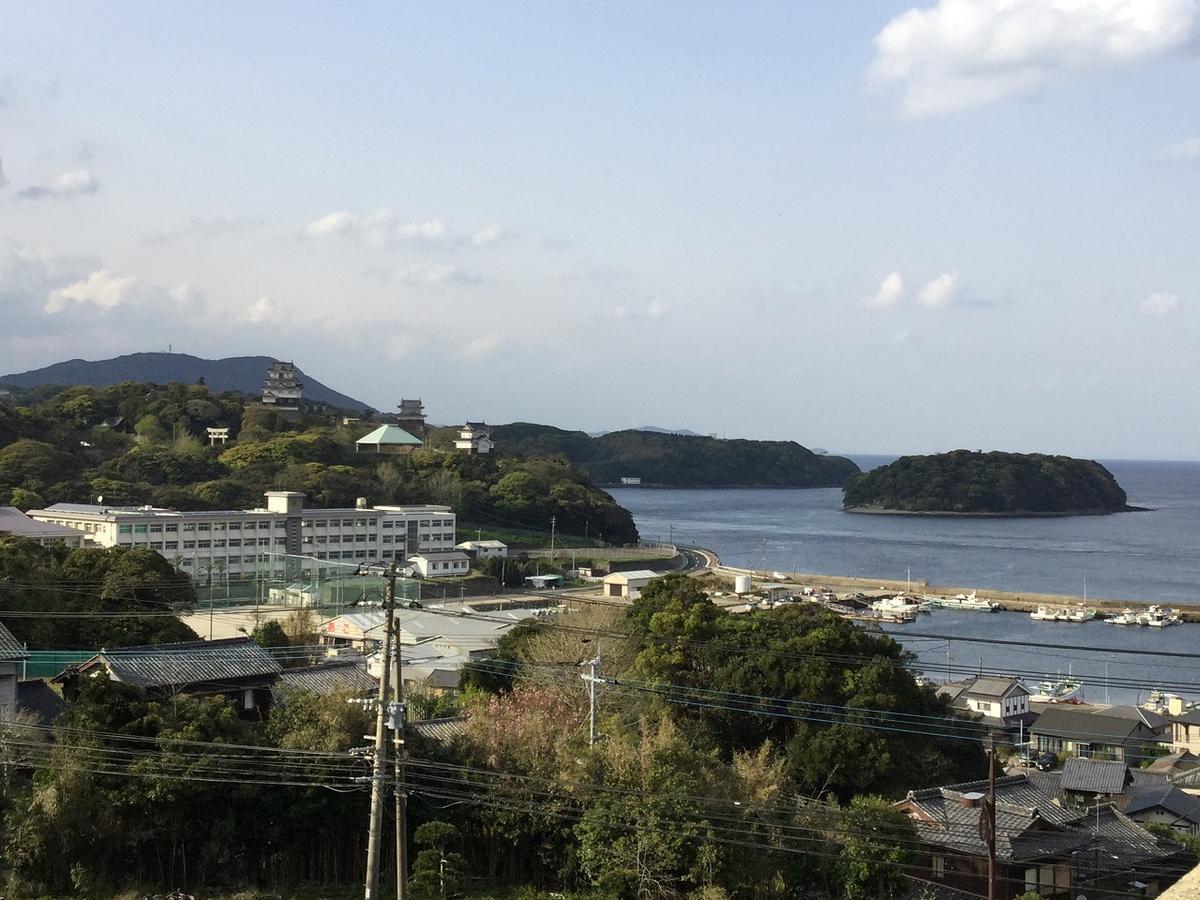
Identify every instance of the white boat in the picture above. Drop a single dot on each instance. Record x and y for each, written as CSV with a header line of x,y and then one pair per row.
x,y
1158,617
965,602
1125,617
1048,614
1080,614
1059,691
900,604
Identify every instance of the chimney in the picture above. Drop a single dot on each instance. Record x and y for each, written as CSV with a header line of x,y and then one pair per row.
x,y
971,799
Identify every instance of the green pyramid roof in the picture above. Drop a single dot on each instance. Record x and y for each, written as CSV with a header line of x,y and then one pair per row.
x,y
389,434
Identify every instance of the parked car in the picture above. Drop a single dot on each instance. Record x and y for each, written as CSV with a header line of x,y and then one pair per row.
x,y
1046,762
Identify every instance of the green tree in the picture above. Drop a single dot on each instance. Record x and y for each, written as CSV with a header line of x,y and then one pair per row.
x,y
270,634
876,841
436,872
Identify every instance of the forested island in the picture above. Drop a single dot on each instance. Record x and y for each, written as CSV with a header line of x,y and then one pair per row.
x,y
137,443
965,482
677,460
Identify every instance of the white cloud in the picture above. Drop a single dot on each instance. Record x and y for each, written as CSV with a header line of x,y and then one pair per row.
x,y
103,289
383,228
3,180
902,337
656,310
484,345
891,289
940,292
68,184
1160,303
487,235
399,345
428,273
1184,150
962,54
262,310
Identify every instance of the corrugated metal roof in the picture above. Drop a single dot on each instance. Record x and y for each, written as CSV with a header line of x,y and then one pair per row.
x,y
13,521
10,647
1095,776
187,663
994,687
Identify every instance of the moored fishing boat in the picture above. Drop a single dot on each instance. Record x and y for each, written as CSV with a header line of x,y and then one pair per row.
x,y
969,602
1064,690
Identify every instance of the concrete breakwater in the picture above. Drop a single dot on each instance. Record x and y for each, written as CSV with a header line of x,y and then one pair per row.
x,y
1022,601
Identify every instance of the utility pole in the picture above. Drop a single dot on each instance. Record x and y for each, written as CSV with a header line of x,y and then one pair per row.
x,y
553,522
592,678
401,750
988,826
375,832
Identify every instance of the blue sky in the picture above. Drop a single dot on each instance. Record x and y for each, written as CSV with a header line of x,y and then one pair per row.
x,y
861,226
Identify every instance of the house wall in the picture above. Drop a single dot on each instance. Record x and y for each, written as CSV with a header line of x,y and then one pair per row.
x,y
1163,817
1185,737
9,675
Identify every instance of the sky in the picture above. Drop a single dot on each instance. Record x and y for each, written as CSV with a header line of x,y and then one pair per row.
x,y
866,226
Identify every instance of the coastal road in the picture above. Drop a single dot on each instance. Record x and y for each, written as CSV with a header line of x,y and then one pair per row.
x,y
696,560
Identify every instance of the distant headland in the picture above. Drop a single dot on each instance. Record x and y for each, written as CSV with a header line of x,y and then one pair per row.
x,y
974,483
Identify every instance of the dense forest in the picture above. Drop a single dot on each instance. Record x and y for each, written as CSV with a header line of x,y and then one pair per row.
x,y
677,460
183,794
60,445
995,483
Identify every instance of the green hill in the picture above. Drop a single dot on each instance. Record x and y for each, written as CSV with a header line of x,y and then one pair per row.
x,y
677,460
243,374
967,482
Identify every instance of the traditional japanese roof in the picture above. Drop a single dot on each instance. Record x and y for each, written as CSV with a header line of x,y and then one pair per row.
x,y
37,697
1095,776
183,664
1114,725
390,435
348,676
1180,761
439,731
10,648
1167,797
1030,825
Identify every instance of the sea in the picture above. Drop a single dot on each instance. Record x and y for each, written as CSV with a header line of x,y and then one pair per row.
x,y
1148,556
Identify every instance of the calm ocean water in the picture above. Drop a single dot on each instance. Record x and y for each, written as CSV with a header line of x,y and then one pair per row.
x,y
1143,556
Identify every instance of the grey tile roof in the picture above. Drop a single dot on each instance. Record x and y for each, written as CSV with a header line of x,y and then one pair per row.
x,y
1106,726
1167,797
1095,776
439,731
37,697
10,647
339,676
1030,826
184,664
1180,761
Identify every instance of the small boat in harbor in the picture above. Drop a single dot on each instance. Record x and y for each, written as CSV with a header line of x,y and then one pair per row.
x,y
1081,614
968,602
1064,690
1158,617
1048,614
1125,617
900,604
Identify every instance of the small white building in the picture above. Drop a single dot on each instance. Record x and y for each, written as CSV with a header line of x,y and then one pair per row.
x,y
628,584
444,564
474,437
631,480
485,549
